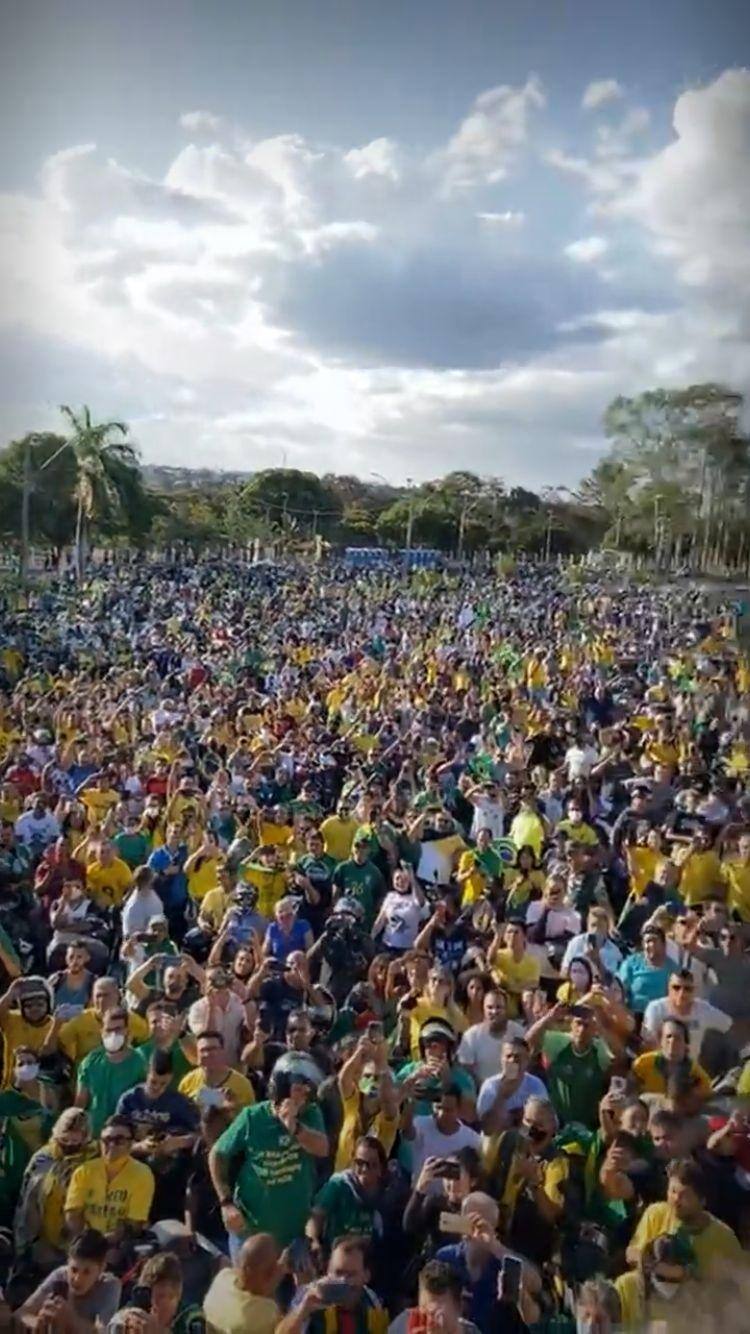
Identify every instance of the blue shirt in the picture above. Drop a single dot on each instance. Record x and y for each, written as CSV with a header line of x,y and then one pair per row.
x,y
482,1291
283,944
530,1087
643,982
171,1113
172,889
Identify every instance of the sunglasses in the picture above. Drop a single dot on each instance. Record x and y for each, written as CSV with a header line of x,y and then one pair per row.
x,y
115,1139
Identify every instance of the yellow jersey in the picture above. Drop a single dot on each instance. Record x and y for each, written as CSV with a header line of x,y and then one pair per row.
x,y
104,1200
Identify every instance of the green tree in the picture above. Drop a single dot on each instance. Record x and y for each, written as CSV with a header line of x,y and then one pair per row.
x,y
106,488
283,494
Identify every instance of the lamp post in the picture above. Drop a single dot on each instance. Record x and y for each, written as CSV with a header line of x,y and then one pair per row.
x,y
27,486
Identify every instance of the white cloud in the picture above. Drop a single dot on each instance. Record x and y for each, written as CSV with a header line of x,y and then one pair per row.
x,y
489,139
588,249
202,122
378,158
599,92
510,218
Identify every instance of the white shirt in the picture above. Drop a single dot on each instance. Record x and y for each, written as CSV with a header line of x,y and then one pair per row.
x,y
702,1018
138,910
429,1142
580,760
488,815
530,1087
403,915
577,948
480,1052
203,1016
32,830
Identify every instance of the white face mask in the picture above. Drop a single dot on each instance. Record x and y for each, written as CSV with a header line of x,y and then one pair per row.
x,y
25,1073
665,1289
113,1041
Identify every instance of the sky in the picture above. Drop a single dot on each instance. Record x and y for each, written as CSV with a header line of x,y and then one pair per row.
x,y
400,238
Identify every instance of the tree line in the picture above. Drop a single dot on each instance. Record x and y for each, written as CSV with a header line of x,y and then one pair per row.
x,y
673,485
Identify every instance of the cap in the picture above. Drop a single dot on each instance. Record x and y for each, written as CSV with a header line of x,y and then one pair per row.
x,y
434,1029
158,919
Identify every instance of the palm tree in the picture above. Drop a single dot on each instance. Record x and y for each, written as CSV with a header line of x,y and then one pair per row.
x,y
104,469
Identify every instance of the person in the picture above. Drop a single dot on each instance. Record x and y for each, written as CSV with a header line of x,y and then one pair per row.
x,y
358,878
684,1212
645,974
274,1144
160,1291
439,1134
79,1295
369,1099
241,1297
477,1262
108,1071
165,1122
347,1203
503,1096
699,1016
663,1287
111,1189
576,1064
142,904
482,1044
220,1010
594,944
439,1304
671,1070
357,1306
38,1220
25,1020
401,912
214,1082
78,1036
288,932
513,967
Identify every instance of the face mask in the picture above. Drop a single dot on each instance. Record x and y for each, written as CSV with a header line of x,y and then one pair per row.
x,y
68,1150
368,1085
113,1041
535,1134
665,1289
25,1073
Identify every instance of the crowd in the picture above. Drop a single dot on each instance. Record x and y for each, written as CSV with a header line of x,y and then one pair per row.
x,y
373,954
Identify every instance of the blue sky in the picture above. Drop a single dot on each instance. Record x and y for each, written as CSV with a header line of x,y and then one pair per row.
x,y
400,238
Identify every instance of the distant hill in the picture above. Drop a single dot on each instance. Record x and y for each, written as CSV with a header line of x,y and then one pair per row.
x,y
159,477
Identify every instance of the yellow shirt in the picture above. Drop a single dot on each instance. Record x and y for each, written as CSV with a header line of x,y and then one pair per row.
x,y
515,975
53,1189
107,885
270,884
236,1086
701,877
230,1310
338,836
527,831
278,835
203,879
425,1010
643,863
736,876
106,1201
214,906
713,1244
650,1074
18,1033
383,1127
81,1035
98,802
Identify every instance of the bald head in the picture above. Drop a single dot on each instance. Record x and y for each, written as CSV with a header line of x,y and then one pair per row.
x,y
257,1265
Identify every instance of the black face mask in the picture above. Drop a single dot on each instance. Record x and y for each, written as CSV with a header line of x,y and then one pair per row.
x,y
536,1134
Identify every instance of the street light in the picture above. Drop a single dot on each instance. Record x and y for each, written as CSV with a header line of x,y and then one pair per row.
x,y
27,487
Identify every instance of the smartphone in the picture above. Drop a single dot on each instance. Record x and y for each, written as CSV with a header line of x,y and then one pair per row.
x,y
456,1224
591,940
509,1280
618,1088
336,1292
59,1288
448,1169
375,1031
140,1297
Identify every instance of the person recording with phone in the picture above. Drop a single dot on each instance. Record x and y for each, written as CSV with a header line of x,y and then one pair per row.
x,y
439,1305
441,1187
340,1302
77,1297
488,1270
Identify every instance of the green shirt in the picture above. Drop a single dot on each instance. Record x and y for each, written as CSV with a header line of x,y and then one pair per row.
x,y
276,1179
346,1213
576,1082
105,1080
133,848
181,1066
363,883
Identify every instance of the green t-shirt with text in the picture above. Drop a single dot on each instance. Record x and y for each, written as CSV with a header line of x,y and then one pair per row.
x,y
276,1178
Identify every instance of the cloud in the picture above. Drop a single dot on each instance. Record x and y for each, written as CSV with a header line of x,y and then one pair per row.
x,y
599,92
202,122
488,140
588,249
378,158
509,218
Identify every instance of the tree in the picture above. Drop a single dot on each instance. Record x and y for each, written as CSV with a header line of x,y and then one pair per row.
x,y
280,494
106,488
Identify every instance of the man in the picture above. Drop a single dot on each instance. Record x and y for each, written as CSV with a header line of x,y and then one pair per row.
x,y
347,1203
25,1019
165,1122
359,879
338,832
274,1145
181,981
369,1100
37,827
108,1071
170,881
439,1304
532,1180
79,1296
81,1035
440,1134
701,874
108,878
72,985
645,975
221,1011
165,1030
714,1244
502,1096
111,1189
358,1310
477,1261
594,944
265,873
240,1299
142,904
698,1016
481,1046
214,1083
576,1064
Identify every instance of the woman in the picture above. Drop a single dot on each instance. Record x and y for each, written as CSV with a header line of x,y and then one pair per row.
x,y
435,1002
201,868
525,881
39,1223
662,1288
644,858
287,933
671,1072
401,913
159,1292
579,979
471,989
441,1187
